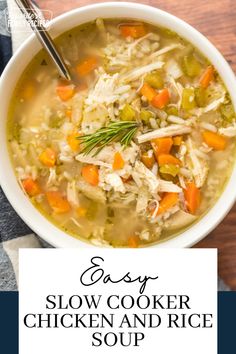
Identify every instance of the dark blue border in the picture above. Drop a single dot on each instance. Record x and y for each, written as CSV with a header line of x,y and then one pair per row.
x,y
227,322
9,322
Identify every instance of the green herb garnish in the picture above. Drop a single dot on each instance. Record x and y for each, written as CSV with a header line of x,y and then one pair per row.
x,y
123,131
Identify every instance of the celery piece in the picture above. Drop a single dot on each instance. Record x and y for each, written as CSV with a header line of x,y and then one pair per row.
x,y
55,122
188,99
169,169
127,113
200,96
191,65
167,33
227,112
145,115
172,111
170,178
155,80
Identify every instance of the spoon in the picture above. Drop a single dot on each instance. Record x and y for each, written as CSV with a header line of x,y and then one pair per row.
x,y
35,23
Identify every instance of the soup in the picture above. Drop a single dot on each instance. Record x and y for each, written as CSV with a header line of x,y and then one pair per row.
x,y
134,150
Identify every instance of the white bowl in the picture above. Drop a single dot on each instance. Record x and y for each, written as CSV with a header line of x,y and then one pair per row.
x,y
37,222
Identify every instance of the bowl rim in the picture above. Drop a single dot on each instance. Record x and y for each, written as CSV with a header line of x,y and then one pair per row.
x,y
27,211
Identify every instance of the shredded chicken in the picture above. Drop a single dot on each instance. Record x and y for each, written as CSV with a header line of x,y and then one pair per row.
x,y
144,235
173,69
138,41
104,91
168,186
92,160
72,193
91,192
136,73
142,201
114,181
77,108
171,130
178,88
213,106
177,120
166,50
52,177
208,126
143,176
199,167
154,205
229,131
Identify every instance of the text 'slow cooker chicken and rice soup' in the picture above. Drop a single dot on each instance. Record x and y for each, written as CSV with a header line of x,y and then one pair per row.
x,y
137,148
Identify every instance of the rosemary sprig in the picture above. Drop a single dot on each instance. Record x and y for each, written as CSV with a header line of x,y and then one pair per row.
x,y
122,130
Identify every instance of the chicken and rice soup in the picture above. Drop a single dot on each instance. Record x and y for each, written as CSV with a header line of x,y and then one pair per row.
x,y
136,148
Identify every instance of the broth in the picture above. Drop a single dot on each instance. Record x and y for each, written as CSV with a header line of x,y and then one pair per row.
x,y
137,149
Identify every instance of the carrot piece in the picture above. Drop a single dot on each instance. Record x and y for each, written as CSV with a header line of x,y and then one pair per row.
x,y
168,201
177,140
86,66
214,140
192,197
81,87
207,77
133,241
29,90
161,146
161,99
59,204
134,30
81,212
148,92
68,113
73,141
166,159
148,159
65,92
118,162
127,180
90,174
48,157
31,187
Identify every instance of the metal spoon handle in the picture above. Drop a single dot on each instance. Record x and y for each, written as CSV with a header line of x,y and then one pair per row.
x,y
35,22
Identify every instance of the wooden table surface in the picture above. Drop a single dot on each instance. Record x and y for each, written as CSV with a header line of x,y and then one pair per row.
x,y
216,19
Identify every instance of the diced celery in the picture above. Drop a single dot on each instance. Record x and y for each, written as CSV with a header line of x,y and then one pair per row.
x,y
227,112
127,113
56,122
188,99
191,65
200,96
172,111
167,32
145,115
155,80
170,178
170,169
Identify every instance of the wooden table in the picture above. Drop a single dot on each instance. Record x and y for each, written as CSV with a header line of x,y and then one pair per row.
x,y
216,19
